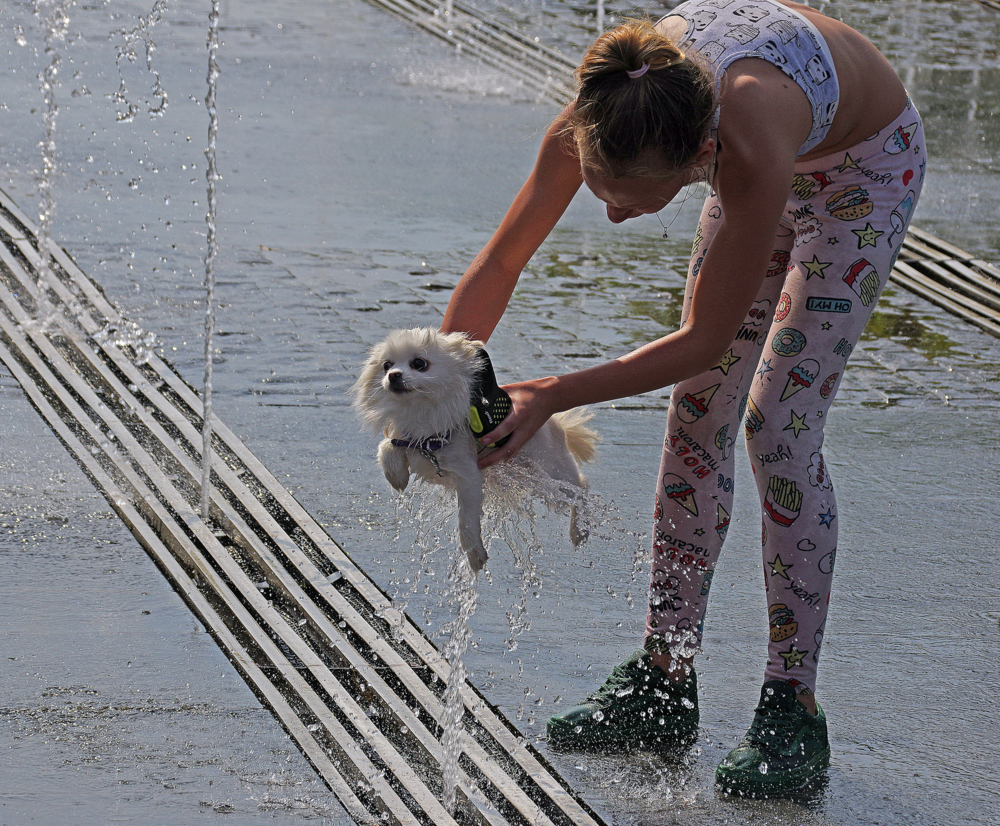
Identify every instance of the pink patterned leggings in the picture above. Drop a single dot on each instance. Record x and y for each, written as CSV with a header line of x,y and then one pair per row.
x,y
843,226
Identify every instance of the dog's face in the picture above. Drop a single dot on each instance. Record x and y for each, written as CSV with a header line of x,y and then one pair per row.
x,y
417,383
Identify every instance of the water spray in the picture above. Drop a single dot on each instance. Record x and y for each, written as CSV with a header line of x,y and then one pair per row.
x,y
139,34
54,17
211,176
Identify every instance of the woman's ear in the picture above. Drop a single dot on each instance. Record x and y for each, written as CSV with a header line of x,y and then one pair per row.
x,y
703,157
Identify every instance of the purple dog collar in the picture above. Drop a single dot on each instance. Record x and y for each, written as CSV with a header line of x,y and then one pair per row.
x,y
427,447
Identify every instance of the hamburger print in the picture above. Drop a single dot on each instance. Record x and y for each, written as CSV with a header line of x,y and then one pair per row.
x,y
782,622
850,204
754,420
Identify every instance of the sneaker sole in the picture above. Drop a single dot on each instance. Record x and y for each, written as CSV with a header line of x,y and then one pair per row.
x,y
797,781
610,739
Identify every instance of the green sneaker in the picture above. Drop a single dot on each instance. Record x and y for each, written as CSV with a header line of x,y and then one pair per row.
x,y
785,748
636,707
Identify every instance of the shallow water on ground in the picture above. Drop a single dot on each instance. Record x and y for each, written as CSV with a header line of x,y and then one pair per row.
x,y
363,166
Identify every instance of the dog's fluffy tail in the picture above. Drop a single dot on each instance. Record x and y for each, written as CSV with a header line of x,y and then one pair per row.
x,y
580,439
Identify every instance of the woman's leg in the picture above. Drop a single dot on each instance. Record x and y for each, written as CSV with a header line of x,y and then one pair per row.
x,y
694,491
639,704
851,211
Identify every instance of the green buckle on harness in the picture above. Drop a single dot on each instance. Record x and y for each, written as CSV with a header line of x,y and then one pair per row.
x,y
489,404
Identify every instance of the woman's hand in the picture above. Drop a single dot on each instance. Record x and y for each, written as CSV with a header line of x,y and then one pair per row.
x,y
534,402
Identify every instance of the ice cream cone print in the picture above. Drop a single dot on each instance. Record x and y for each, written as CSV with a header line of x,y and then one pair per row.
x,y
722,521
899,140
801,375
677,490
695,405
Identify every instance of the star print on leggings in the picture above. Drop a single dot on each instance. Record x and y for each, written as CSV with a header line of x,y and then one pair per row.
x,y
849,163
792,657
816,267
797,424
779,568
868,236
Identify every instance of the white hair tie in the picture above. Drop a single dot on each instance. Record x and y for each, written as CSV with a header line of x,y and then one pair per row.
x,y
637,73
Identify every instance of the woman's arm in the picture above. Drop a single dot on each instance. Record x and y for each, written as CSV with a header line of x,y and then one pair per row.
x,y
481,295
755,168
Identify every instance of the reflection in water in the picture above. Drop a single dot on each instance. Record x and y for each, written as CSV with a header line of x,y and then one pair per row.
x,y
632,291
907,326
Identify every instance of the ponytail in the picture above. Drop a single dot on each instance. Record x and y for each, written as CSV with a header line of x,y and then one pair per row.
x,y
643,106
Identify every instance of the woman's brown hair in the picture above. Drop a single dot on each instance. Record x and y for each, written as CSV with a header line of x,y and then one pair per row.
x,y
651,123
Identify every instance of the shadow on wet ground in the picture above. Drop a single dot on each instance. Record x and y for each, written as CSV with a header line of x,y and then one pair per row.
x,y
363,167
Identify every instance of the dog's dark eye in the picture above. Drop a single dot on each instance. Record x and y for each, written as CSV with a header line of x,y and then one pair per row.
x,y
419,364
386,366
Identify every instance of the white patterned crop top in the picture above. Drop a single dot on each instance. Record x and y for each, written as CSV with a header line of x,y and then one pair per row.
x,y
724,31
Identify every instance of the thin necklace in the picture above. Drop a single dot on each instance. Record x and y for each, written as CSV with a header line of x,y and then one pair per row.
x,y
666,236
680,206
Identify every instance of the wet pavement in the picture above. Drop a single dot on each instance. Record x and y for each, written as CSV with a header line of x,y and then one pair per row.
x,y
363,167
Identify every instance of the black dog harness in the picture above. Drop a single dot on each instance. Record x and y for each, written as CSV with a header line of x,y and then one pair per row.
x,y
489,404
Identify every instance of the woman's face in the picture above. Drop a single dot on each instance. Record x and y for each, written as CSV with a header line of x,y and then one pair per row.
x,y
630,197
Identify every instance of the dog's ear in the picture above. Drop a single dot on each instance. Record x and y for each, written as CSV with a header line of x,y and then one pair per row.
x,y
465,340
470,348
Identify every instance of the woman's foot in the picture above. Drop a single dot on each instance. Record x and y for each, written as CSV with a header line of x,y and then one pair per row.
x,y
638,706
785,748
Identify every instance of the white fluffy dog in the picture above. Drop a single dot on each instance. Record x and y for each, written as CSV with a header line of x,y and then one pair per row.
x,y
416,389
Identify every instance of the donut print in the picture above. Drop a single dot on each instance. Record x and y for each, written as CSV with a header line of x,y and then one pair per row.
x,y
784,307
828,385
788,342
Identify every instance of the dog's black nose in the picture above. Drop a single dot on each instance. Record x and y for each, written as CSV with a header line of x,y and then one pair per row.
x,y
395,378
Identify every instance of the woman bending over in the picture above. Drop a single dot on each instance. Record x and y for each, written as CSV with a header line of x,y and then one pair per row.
x,y
815,159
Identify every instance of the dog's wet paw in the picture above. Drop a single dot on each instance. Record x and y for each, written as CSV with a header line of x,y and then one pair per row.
x,y
477,557
577,534
394,465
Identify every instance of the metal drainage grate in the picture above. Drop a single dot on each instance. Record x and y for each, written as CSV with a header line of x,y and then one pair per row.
x,y
355,683
952,279
545,71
